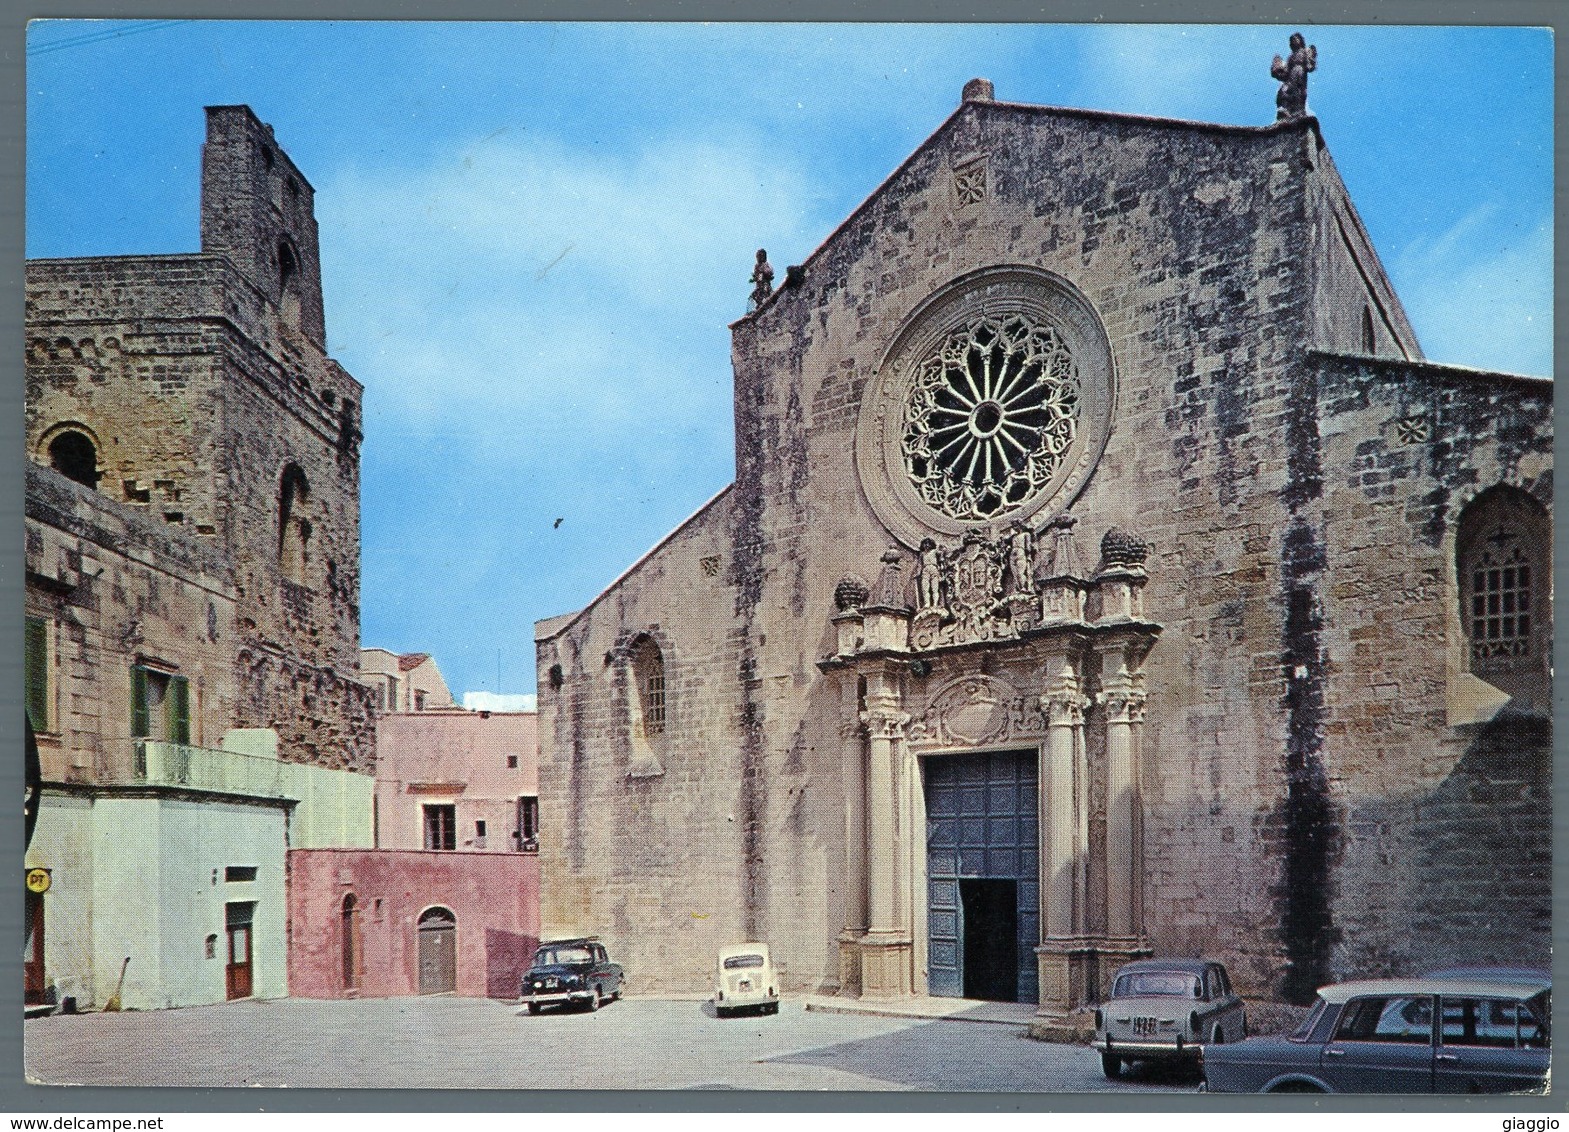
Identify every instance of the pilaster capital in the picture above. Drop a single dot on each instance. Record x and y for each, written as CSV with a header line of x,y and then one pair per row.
x,y
1064,707
1124,705
885,724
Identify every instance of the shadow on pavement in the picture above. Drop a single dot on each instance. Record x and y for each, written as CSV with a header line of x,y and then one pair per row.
x,y
911,1058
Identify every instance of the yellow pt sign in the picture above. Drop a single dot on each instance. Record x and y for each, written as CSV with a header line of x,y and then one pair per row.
x,y
38,880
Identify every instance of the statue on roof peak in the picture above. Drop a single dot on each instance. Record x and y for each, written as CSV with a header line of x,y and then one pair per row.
x,y
1291,98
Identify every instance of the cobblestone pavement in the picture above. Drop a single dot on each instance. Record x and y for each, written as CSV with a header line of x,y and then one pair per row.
x,y
640,1043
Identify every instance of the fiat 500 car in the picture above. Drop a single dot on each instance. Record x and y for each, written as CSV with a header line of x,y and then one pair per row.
x,y
1427,1035
746,980
1167,1010
571,972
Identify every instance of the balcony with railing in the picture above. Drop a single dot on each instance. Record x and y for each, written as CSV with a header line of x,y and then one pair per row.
x,y
200,768
331,808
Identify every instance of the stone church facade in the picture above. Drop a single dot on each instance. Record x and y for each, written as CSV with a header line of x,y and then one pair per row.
x,y
1106,573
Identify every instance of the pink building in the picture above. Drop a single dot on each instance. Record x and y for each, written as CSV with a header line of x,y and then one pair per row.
x,y
380,923
458,780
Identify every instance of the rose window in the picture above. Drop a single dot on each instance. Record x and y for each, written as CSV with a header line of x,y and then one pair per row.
x,y
991,415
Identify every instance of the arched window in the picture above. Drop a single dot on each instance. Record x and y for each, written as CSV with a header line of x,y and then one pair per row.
x,y
648,670
294,525
73,454
288,275
350,916
1503,562
649,707
288,264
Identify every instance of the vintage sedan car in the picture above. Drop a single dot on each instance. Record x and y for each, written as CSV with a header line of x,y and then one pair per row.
x,y
1426,1035
746,980
571,972
1167,1009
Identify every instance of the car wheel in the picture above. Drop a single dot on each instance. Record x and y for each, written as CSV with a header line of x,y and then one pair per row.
x,y
1111,1065
533,1008
1296,1087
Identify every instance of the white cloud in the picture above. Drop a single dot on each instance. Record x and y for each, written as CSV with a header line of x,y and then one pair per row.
x,y
1481,294
524,279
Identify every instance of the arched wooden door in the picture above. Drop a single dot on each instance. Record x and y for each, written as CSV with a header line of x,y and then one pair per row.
x,y
438,952
350,937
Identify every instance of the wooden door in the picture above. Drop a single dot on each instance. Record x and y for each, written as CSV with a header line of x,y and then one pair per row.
x,y
237,969
33,964
438,952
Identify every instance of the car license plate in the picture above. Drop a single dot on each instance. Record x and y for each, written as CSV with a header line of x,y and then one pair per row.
x,y
1145,1027
746,984
550,982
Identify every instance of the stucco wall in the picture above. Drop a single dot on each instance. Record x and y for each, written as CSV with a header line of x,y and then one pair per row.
x,y
144,877
457,758
495,897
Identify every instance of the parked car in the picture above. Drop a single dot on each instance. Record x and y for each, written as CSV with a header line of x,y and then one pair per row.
x,y
571,972
1167,1010
746,979
1426,1035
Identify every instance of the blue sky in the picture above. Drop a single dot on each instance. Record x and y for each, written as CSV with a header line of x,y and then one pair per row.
x,y
534,235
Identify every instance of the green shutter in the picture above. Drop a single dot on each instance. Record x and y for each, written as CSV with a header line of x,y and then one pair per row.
x,y
37,668
179,709
140,726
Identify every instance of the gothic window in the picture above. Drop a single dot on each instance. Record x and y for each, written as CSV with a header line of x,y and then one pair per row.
x,y
73,454
294,525
288,273
649,706
1503,567
648,668
288,264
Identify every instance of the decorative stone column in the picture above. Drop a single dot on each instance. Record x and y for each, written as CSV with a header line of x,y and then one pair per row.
x,y
1063,955
886,947
1124,704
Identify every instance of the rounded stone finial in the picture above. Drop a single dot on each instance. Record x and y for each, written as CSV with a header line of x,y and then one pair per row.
x,y
852,592
978,90
1123,548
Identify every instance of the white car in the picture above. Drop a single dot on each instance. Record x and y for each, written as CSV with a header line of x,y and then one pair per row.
x,y
746,979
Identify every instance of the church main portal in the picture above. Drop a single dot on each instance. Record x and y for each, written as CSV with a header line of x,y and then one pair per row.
x,y
982,875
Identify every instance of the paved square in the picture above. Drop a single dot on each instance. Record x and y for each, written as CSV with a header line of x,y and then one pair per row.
x,y
639,1043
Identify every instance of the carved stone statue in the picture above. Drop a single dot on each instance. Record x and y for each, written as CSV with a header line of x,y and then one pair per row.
x,y
1020,558
1291,98
762,281
928,582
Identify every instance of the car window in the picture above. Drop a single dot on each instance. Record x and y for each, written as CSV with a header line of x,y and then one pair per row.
x,y
736,962
1212,986
1496,1023
1158,983
1387,1018
552,955
1305,1031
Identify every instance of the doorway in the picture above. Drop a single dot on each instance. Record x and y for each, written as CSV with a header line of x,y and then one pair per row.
x,y
438,952
237,920
350,938
991,938
982,869
34,990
